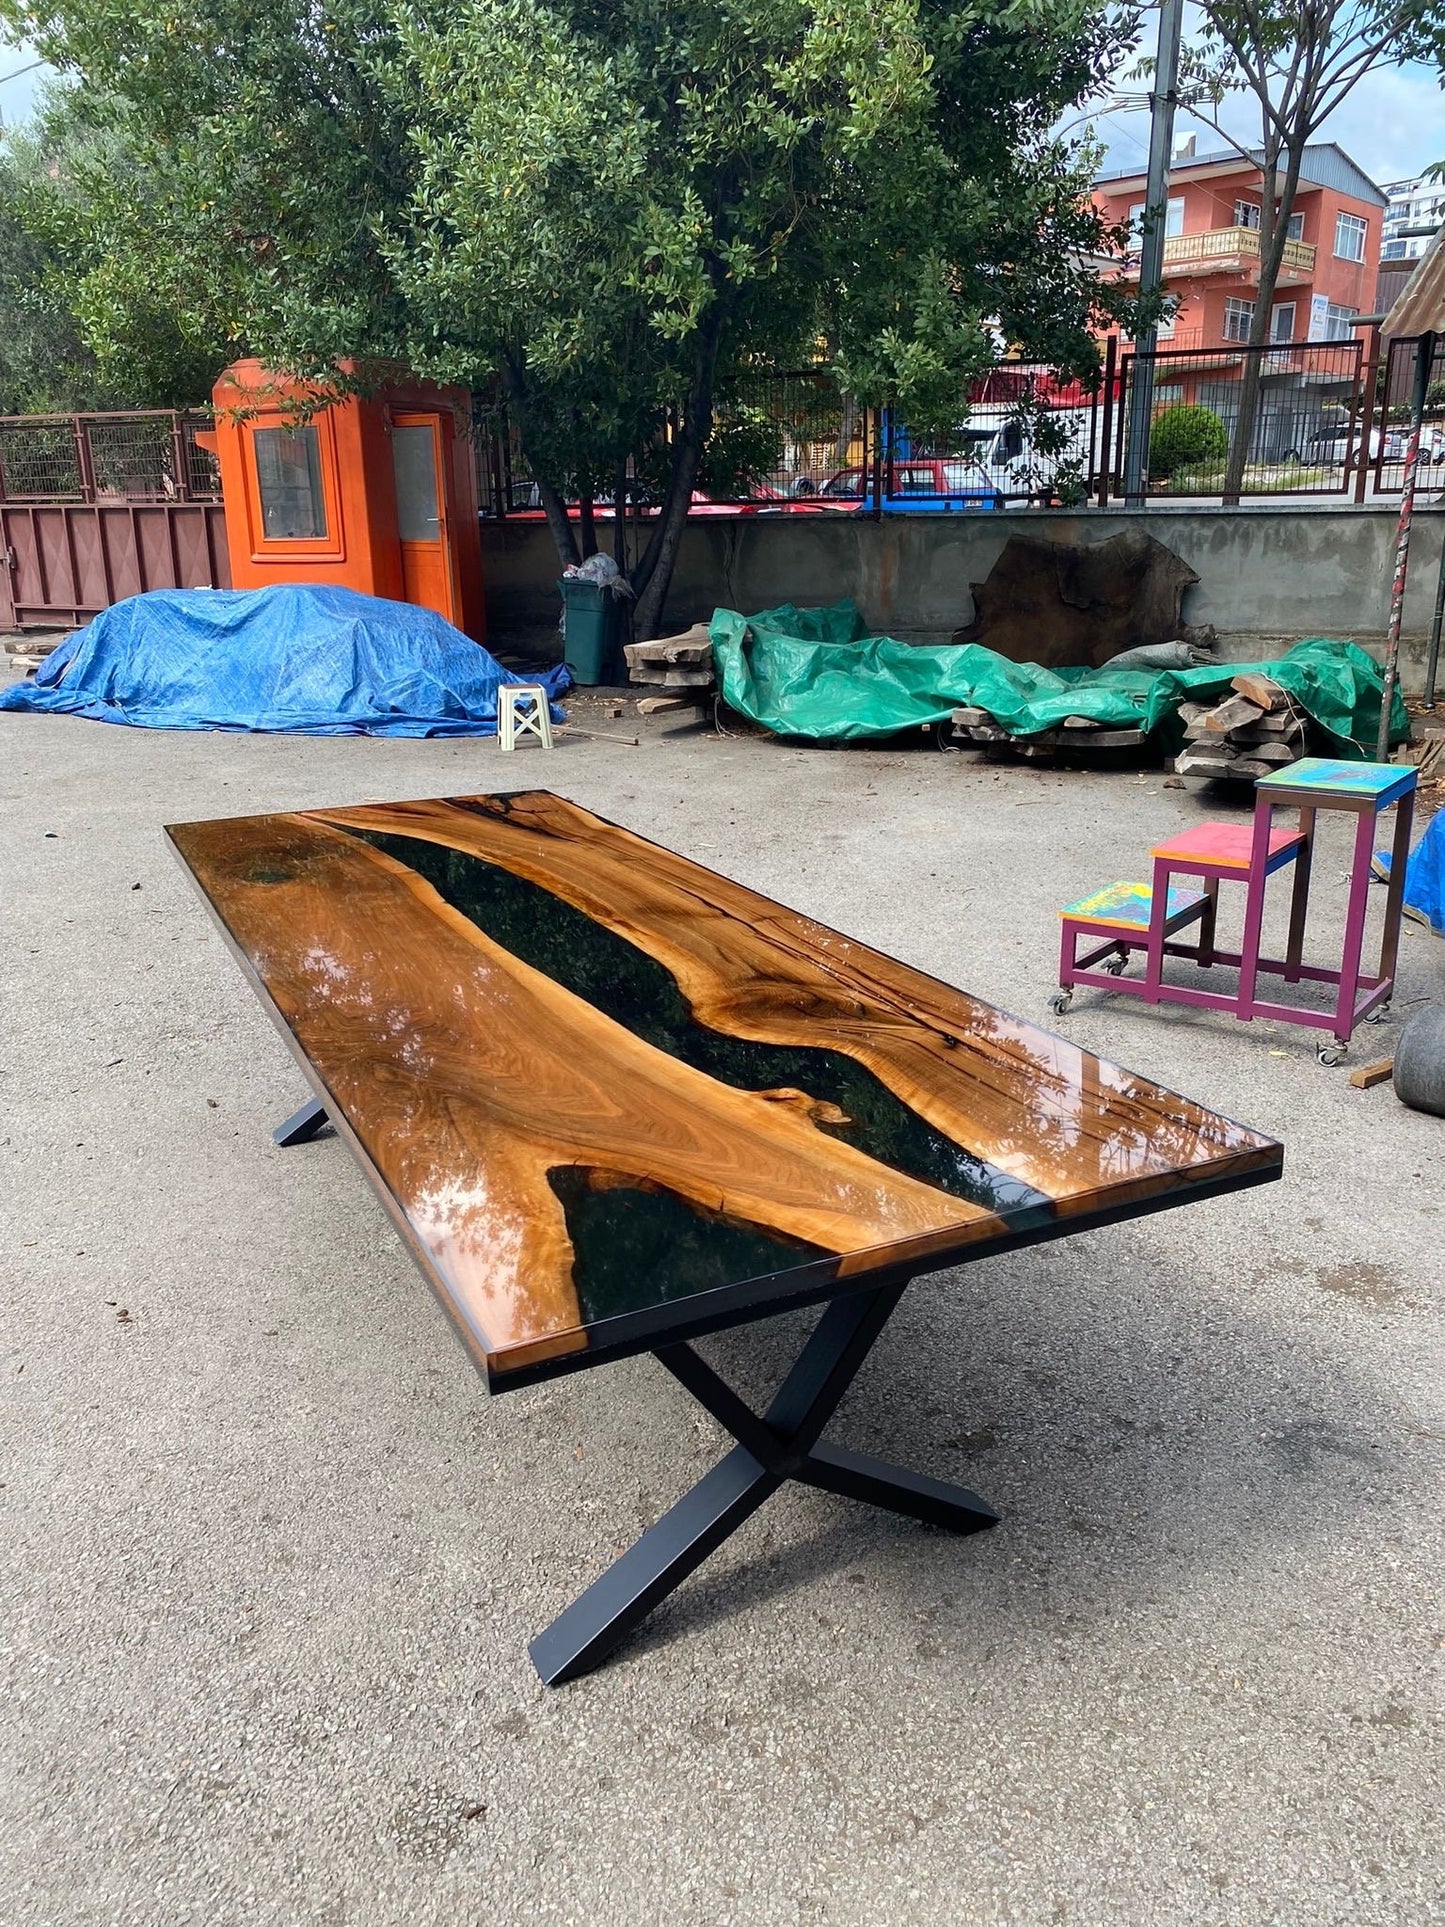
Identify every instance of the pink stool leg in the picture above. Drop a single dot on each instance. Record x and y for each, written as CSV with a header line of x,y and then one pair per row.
x,y
1254,907
1355,926
1395,895
1300,899
1158,917
1208,923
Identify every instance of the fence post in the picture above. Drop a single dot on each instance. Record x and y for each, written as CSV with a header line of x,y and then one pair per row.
x,y
83,462
1367,410
1106,453
1128,375
180,457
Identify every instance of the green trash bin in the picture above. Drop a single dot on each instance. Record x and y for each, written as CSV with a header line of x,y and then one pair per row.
x,y
591,632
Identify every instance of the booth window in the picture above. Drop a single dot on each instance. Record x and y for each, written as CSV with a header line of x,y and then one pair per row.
x,y
288,480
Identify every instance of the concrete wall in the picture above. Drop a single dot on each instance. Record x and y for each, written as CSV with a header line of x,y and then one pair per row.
x,y
1269,575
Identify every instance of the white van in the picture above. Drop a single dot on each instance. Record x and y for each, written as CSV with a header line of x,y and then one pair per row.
x,y
995,438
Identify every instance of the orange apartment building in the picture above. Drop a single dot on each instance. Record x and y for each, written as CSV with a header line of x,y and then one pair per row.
x,y
1211,268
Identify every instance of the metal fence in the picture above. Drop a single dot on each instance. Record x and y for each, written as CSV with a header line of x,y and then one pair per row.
x,y
1310,433
1396,402
137,456
97,507
795,443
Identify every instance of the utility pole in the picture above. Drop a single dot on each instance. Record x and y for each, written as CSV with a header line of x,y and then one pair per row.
x,y
1162,102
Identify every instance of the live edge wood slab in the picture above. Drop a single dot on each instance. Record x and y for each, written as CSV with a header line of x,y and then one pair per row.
x,y
613,1101
606,1092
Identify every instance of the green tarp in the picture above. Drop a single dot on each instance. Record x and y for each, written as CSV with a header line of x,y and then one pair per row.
x,y
816,673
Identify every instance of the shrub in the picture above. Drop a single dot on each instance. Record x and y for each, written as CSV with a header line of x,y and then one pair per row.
x,y
1185,436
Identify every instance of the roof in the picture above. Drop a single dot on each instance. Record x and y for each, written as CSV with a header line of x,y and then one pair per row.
x,y
1421,304
1326,164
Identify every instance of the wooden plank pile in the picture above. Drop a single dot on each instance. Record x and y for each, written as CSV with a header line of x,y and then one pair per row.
x,y
1255,729
27,652
1074,733
682,664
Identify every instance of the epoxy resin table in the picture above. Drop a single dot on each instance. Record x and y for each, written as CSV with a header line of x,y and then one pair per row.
x,y
613,1101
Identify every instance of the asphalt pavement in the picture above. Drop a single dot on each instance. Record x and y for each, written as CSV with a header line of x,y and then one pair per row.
x,y
273,1558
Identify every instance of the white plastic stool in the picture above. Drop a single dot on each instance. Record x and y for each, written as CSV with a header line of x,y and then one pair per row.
x,y
522,710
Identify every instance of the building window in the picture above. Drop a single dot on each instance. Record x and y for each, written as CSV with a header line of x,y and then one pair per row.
x,y
1350,232
1173,221
288,480
1281,321
1238,318
1246,214
1339,323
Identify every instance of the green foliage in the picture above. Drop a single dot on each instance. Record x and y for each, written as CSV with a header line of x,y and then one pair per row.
x,y
57,352
1185,435
601,218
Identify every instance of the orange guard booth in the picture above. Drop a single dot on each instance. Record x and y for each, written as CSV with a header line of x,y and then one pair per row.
x,y
372,492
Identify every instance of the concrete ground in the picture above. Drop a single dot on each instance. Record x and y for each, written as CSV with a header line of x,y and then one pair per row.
x,y
273,1558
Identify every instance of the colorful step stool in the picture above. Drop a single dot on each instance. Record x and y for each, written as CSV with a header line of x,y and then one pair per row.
x,y
1147,917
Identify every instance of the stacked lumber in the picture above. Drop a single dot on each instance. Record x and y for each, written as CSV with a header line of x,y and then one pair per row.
x,y
1255,729
27,652
973,725
682,664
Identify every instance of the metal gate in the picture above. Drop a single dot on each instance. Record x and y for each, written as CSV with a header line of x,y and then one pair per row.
x,y
94,508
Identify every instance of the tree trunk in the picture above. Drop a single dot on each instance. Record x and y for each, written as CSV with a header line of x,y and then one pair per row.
x,y
555,509
619,517
654,571
586,525
558,520
1273,234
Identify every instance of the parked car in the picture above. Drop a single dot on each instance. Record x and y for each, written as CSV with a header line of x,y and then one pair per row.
x,y
1334,446
933,485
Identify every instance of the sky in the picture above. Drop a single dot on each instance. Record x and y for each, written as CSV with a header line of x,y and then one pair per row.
x,y
1392,125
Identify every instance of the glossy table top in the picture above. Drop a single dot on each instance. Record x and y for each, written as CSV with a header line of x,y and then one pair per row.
x,y
610,1097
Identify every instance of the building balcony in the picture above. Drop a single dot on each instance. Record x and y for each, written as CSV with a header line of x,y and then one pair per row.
x,y
1232,252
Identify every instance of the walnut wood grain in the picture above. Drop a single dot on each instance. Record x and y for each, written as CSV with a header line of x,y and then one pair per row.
x,y
467,1076
1048,1113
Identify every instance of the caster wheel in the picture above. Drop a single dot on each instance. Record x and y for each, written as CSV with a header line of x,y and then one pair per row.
x,y
1059,1003
1378,1016
1115,966
1330,1054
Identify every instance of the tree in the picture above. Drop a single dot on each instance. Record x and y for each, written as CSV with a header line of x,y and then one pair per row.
x,y
48,358
600,218
1300,62
44,365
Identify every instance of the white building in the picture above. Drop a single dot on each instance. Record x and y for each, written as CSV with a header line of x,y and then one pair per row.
x,y
1415,213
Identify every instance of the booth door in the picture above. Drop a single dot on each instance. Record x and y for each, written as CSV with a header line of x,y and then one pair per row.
x,y
419,460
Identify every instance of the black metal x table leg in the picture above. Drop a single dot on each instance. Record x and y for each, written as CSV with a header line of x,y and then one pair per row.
x,y
302,1124
781,1444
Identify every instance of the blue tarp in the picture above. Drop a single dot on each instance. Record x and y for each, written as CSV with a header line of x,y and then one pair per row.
x,y
320,662
1425,874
